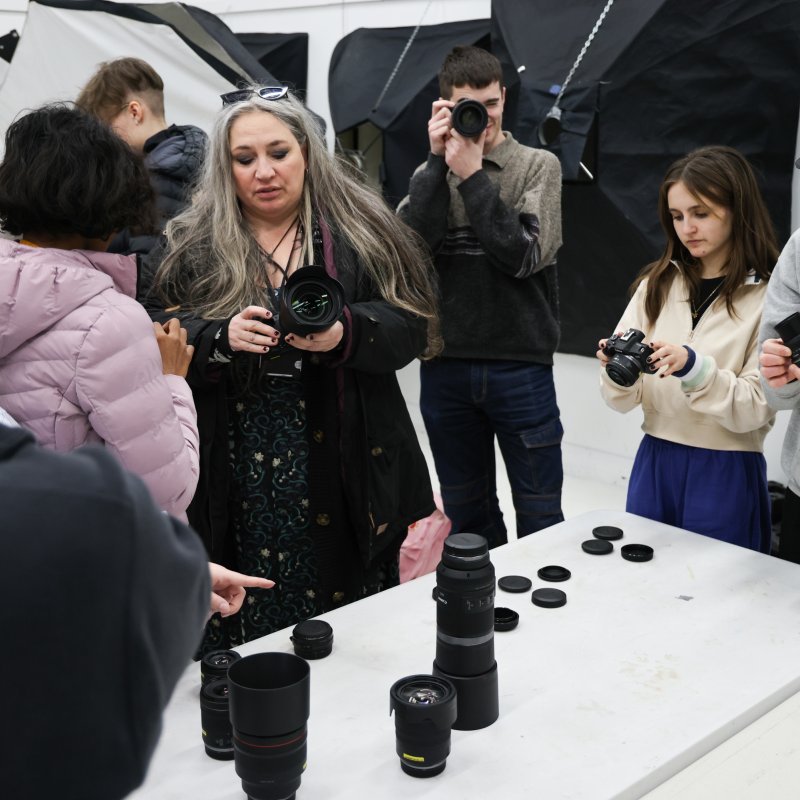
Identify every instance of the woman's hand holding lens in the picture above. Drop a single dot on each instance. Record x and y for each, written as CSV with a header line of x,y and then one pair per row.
x,y
320,342
248,331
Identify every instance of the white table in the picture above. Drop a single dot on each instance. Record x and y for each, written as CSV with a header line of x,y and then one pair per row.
x,y
648,668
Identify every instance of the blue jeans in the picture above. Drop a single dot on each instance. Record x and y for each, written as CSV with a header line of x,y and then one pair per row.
x,y
465,403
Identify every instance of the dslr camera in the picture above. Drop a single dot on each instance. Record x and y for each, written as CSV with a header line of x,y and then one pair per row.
x,y
469,118
789,331
627,357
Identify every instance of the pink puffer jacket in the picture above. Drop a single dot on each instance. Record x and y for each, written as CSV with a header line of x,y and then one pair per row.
x,y
79,363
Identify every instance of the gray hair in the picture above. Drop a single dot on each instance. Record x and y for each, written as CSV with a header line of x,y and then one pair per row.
x,y
213,266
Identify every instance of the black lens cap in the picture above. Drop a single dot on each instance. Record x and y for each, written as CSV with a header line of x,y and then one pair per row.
x,y
608,532
554,573
505,619
597,547
549,598
637,552
312,639
514,583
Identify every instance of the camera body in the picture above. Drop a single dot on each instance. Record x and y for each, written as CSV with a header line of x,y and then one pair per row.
x,y
469,118
789,331
627,357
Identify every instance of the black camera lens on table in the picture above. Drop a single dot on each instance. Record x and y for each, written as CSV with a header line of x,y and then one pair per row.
x,y
269,708
469,118
465,585
424,709
215,719
214,665
789,331
627,357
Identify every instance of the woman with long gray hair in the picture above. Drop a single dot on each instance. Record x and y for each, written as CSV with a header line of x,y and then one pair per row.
x,y
311,469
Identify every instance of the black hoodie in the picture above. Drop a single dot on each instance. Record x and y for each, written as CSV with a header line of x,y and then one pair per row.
x,y
103,603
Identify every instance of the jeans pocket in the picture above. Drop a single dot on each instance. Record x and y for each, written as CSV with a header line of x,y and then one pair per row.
x,y
543,446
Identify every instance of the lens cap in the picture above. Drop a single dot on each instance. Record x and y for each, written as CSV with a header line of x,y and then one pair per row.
x,y
505,619
597,547
312,639
549,598
608,532
514,583
554,574
637,552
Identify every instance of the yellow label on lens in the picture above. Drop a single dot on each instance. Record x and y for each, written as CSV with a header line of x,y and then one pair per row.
x,y
407,757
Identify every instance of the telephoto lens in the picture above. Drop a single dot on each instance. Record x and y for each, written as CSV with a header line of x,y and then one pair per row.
x,y
424,712
215,720
214,665
465,629
269,707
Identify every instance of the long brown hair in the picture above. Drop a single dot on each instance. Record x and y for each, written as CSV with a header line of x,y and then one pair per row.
x,y
723,176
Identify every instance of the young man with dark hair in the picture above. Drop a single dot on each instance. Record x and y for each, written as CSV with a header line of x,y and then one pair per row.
x,y
128,95
490,210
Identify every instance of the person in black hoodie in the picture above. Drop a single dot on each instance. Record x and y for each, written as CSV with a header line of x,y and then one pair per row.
x,y
104,601
128,95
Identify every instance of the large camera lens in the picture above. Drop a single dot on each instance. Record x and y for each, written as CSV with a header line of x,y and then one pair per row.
x,y
215,720
311,301
465,628
269,707
469,118
214,665
425,709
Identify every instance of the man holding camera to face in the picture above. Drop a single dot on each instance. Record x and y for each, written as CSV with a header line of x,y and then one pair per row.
x,y
780,376
489,209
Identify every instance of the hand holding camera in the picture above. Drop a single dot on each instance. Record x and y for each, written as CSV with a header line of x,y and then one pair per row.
x,y
780,358
457,131
627,357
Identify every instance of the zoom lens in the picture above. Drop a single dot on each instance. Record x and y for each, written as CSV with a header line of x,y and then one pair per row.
x,y
311,301
424,709
215,719
269,707
465,585
469,118
623,370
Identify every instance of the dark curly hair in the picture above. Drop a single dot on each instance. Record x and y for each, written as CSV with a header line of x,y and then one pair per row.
x,y
65,172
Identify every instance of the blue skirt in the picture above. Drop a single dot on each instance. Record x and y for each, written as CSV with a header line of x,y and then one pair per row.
x,y
719,493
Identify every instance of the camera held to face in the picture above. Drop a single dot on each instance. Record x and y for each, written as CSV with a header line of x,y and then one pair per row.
x,y
469,118
627,357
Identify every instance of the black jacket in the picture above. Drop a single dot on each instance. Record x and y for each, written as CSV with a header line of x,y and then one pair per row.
x,y
358,425
104,603
174,158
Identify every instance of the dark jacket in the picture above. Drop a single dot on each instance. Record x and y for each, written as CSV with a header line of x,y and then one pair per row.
x,y
104,603
174,158
358,425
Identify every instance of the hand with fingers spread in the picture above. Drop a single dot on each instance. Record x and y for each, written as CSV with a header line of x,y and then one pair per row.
x,y
250,332
776,364
668,358
176,355
228,588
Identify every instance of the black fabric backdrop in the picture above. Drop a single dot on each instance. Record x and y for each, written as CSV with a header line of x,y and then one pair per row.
x,y
284,55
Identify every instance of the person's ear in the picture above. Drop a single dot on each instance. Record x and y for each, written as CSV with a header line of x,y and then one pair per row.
x,y
136,110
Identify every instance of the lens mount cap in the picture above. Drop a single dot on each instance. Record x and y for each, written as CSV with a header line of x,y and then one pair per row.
x,y
608,532
514,583
549,598
554,574
597,547
637,552
312,639
505,619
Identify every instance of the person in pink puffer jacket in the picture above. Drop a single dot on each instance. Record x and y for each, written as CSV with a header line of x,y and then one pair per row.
x,y
79,359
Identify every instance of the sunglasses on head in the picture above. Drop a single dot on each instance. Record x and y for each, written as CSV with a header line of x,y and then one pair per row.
x,y
265,93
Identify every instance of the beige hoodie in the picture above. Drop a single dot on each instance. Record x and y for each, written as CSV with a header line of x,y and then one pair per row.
x,y
720,404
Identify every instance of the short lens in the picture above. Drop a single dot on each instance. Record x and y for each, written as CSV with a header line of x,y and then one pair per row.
x,y
214,665
424,709
623,370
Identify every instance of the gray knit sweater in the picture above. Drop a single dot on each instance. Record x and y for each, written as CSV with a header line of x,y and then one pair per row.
x,y
494,238
783,298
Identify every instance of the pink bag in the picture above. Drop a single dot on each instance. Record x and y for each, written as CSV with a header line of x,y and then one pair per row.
x,y
422,549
